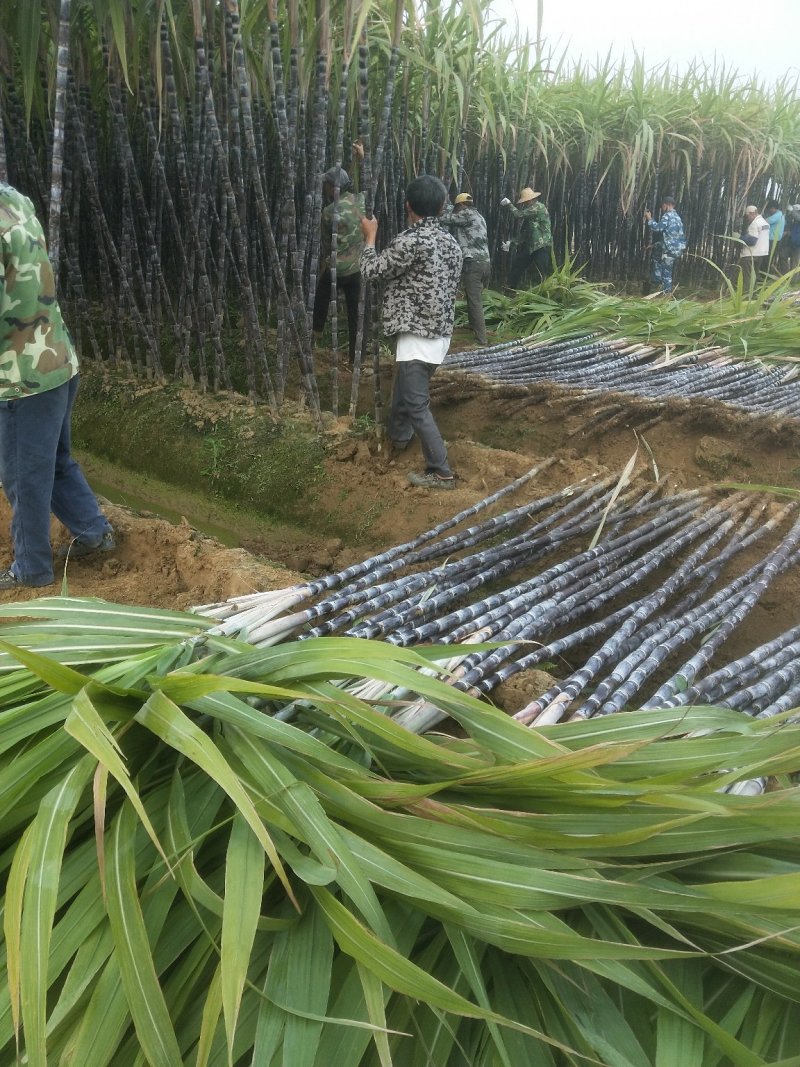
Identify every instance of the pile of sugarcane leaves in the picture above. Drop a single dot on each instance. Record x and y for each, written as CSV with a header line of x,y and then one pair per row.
x,y
216,853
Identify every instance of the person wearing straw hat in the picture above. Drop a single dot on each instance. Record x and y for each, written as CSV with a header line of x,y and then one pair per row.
x,y
469,229
532,246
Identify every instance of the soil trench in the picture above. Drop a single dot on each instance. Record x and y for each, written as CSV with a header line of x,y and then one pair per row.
x,y
494,435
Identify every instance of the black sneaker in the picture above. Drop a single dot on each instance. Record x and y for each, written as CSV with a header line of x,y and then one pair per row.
x,y
9,580
78,549
429,480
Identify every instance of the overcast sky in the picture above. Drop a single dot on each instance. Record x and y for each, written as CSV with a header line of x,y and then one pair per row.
x,y
731,31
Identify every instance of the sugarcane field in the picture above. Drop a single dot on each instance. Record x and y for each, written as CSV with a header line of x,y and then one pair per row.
x,y
400,463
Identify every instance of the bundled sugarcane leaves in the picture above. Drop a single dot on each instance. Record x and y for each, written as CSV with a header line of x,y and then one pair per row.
x,y
191,878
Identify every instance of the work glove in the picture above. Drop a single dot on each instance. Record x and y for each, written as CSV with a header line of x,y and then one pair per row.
x,y
505,202
506,245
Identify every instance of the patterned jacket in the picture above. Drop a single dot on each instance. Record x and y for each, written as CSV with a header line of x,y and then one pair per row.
x,y
349,240
421,268
535,231
36,350
469,229
672,233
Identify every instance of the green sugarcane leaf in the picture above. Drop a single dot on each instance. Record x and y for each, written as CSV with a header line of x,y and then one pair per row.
x,y
133,953
86,726
187,688
778,891
62,679
168,722
244,885
307,986
12,920
48,840
680,1043
271,1019
311,824
374,1000
399,973
469,956
212,1010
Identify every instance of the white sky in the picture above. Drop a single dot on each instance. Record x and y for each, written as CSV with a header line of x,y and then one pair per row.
x,y
733,32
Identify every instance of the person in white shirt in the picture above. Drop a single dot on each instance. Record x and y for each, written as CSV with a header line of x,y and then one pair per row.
x,y
754,256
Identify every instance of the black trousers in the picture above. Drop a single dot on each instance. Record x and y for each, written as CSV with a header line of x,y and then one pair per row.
x,y
536,264
350,285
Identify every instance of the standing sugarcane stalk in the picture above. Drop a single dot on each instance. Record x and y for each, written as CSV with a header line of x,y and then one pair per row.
x,y
371,178
239,77
56,184
366,175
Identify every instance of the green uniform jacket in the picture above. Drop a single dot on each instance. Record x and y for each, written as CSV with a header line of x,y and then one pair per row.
x,y
535,231
36,350
349,239
469,229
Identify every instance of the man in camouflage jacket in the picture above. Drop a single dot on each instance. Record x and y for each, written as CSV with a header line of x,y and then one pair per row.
x,y
349,242
532,245
672,243
420,268
38,383
469,229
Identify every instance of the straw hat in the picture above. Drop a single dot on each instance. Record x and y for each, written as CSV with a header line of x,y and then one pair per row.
x,y
463,198
527,195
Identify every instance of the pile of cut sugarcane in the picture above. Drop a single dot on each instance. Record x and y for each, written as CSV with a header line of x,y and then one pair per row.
x,y
650,583
594,364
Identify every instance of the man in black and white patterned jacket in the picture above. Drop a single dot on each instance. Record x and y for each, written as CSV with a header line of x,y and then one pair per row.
x,y
421,268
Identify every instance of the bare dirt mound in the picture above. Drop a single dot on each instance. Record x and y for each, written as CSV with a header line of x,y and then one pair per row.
x,y
156,564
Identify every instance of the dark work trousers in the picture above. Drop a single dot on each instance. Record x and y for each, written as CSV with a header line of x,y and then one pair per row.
x,y
40,476
475,276
536,265
350,285
754,268
410,414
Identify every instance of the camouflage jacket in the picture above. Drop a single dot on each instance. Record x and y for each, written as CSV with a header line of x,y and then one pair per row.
x,y
672,235
534,232
469,229
36,350
349,240
421,268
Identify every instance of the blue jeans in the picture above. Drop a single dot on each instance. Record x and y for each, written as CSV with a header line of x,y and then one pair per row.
x,y
410,414
40,476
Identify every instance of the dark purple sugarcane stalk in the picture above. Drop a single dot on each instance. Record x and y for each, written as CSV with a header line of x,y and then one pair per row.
x,y
306,368
102,223
366,175
774,565
280,599
684,612
607,583
639,665
749,669
716,523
